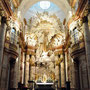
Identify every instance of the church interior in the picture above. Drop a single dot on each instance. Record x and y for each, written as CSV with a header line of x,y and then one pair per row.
x,y
44,44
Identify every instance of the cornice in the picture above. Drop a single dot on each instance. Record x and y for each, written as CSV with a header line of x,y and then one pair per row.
x,y
73,3
28,51
31,47
79,13
16,3
81,8
77,53
11,52
77,49
6,7
54,48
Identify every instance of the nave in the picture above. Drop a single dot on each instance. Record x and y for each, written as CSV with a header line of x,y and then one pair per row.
x,y
44,44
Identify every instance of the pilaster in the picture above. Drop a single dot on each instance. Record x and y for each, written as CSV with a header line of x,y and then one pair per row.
x,y
27,71
62,75
87,44
57,74
2,39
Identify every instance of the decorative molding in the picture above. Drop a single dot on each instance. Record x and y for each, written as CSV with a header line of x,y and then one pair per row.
x,y
73,3
80,12
31,47
77,49
11,49
16,3
54,48
82,6
6,7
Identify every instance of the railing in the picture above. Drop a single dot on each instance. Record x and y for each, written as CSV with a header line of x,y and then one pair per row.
x,y
77,46
13,47
77,49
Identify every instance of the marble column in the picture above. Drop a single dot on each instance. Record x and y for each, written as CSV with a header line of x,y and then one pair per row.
x,y
64,69
89,21
27,71
16,74
66,66
62,74
23,67
87,45
5,68
0,20
57,74
2,39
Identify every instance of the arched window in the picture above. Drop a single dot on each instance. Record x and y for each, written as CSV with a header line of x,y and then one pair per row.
x,y
13,36
75,36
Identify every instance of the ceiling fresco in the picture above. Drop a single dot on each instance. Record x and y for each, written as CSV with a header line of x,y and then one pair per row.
x,y
43,6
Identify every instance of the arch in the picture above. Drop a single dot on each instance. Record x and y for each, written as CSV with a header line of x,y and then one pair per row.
x,y
14,29
26,4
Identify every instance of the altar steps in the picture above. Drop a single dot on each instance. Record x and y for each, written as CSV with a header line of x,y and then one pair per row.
x,y
44,88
